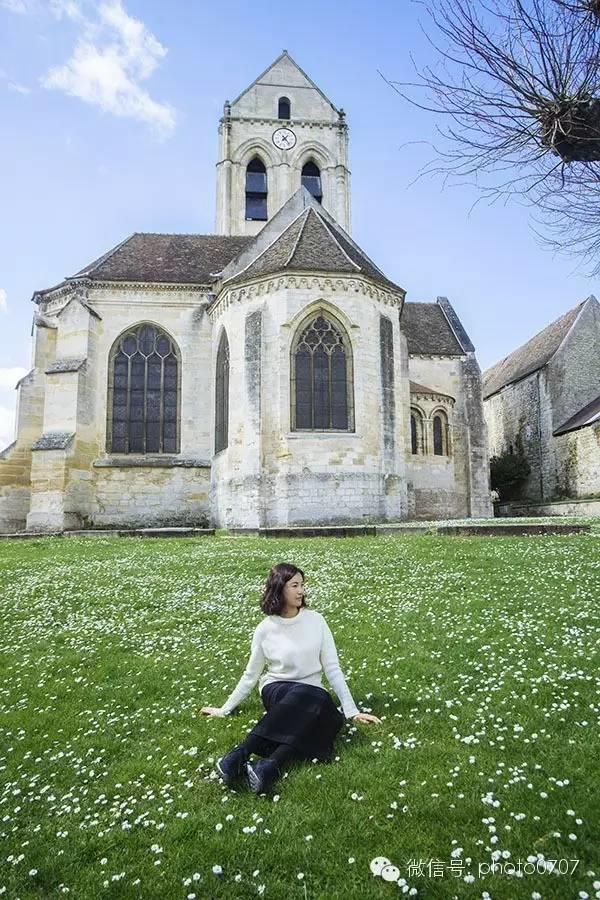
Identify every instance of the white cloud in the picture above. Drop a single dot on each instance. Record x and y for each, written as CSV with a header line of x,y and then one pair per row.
x,y
16,6
59,8
112,56
67,9
3,300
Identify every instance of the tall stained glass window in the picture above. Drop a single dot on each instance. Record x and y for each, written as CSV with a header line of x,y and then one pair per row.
x,y
144,392
322,378
222,395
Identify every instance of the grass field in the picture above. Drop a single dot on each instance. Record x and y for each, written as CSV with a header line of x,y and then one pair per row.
x,y
481,655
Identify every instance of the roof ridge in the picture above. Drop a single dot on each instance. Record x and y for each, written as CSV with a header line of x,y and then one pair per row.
x,y
187,234
332,234
332,227
267,248
532,338
456,326
283,54
300,233
101,259
572,325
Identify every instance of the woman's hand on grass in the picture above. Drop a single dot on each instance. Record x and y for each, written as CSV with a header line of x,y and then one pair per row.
x,y
211,711
365,717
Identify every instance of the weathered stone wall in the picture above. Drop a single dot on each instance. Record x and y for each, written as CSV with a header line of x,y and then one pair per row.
x,y
574,370
516,410
477,459
558,508
145,496
15,460
309,477
573,463
455,485
68,490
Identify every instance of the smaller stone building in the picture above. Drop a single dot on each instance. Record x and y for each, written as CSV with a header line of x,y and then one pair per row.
x,y
546,396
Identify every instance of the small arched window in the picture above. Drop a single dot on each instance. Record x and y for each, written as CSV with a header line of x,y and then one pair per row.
x,y
321,373
222,395
416,432
311,180
143,389
256,190
440,435
284,108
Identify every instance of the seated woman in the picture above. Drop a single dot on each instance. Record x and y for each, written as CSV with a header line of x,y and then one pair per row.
x,y
301,720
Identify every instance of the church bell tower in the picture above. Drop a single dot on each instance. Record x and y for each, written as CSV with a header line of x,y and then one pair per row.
x,y
281,133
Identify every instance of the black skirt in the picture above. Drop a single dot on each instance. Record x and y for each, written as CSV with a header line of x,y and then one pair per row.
x,y
301,715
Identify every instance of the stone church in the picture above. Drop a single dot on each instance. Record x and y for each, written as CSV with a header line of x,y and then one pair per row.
x,y
266,375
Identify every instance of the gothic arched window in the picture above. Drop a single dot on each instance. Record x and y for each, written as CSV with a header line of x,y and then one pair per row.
x,y
311,180
284,108
143,392
222,395
256,190
440,435
416,432
321,377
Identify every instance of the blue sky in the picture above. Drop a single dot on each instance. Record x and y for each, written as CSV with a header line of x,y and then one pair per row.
x,y
108,117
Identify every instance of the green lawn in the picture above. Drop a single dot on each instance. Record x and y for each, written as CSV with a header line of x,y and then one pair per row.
x,y
481,655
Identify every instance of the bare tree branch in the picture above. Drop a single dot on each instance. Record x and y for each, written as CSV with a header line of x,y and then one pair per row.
x,y
516,85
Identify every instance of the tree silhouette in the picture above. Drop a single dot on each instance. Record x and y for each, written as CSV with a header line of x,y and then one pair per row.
x,y
518,85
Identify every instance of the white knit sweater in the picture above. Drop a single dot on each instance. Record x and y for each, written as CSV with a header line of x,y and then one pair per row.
x,y
296,649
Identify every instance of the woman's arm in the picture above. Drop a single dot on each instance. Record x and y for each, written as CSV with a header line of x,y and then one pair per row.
x,y
248,680
331,667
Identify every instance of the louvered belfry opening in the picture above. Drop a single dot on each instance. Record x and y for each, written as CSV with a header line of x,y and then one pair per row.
x,y
144,393
311,180
222,395
322,378
256,190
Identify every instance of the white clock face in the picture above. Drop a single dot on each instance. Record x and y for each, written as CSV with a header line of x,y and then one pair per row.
x,y
284,138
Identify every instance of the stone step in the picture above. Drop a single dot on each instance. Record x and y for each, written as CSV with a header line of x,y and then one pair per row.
x,y
140,532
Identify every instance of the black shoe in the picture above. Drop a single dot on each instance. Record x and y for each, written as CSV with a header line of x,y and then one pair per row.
x,y
231,767
262,775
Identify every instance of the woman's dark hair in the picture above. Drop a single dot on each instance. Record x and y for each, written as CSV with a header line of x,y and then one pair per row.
x,y
272,599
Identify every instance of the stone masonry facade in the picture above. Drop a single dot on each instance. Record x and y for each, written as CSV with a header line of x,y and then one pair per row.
x,y
554,410
233,309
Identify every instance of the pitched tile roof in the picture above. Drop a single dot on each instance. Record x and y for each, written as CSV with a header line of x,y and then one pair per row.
x,y
586,416
428,332
301,237
305,246
171,258
531,356
416,388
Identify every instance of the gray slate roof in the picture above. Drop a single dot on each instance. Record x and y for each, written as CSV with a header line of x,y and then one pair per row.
x,y
306,245
531,356
171,258
428,332
303,237
53,440
70,364
586,416
416,388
